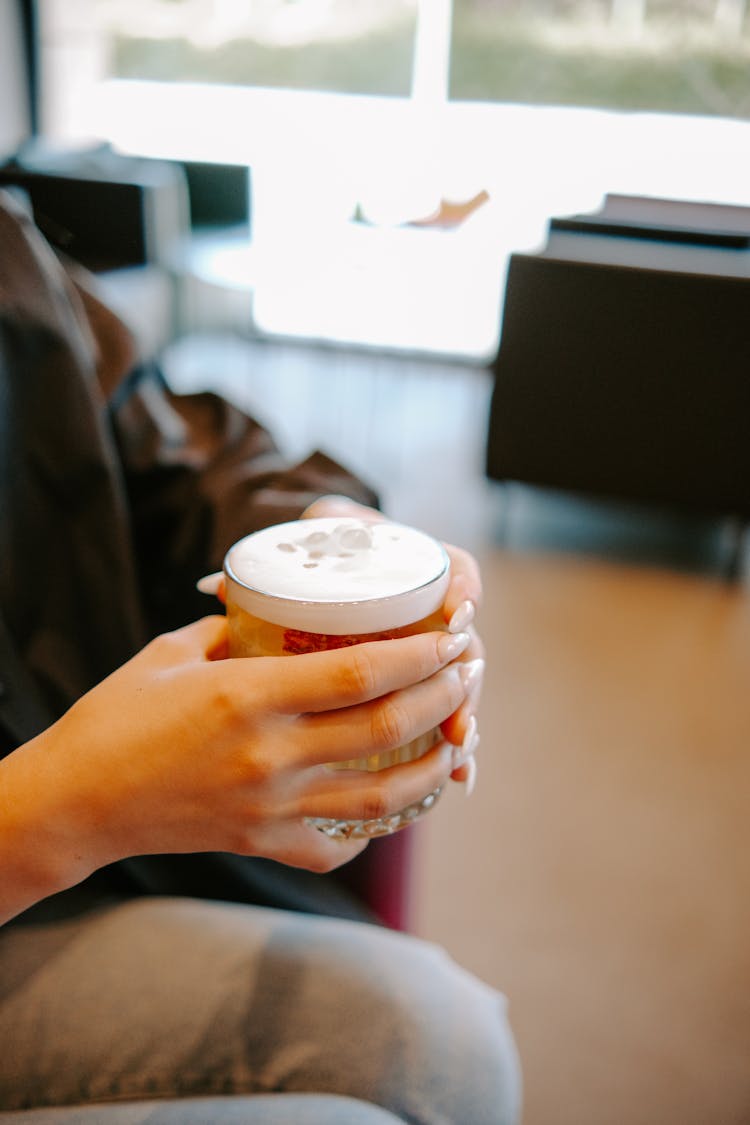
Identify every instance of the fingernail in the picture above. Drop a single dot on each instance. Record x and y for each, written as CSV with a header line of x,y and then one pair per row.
x,y
468,747
462,617
471,738
471,673
451,645
471,780
210,583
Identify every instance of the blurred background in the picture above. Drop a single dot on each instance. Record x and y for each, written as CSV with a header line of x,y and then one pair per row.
x,y
360,174
679,56
349,110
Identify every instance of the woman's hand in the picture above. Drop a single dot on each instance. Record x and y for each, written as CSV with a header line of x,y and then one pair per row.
x,y
462,599
183,750
461,602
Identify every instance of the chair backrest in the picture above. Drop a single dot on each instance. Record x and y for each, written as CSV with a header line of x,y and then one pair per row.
x,y
625,383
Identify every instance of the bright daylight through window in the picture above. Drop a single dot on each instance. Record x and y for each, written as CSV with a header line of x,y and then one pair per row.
x,y
401,148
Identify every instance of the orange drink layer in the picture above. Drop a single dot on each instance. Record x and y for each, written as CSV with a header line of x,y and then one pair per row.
x,y
323,584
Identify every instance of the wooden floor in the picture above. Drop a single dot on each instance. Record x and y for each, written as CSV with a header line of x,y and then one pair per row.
x,y
537,882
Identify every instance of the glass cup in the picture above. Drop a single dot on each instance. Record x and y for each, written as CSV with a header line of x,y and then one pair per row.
x,y
320,584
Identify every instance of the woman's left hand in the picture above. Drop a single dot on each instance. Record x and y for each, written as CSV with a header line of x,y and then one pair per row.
x,y
462,600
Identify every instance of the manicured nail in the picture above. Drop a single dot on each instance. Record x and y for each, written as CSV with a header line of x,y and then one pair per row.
x,y
471,673
468,747
451,645
210,583
462,617
471,738
471,779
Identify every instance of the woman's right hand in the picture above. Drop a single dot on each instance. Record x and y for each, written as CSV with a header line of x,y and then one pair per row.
x,y
183,749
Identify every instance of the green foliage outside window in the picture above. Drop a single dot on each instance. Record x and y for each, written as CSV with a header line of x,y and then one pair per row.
x,y
683,56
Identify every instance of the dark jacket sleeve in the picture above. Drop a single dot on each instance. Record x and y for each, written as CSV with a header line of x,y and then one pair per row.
x,y
200,474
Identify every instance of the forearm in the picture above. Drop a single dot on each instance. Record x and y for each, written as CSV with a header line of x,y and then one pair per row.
x,y
41,834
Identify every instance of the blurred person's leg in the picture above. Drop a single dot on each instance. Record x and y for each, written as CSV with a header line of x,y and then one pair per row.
x,y
180,998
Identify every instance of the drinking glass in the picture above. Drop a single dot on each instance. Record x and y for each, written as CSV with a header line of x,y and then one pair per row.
x,y
319,584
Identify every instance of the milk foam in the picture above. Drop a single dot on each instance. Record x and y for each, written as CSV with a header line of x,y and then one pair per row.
x,y
338,564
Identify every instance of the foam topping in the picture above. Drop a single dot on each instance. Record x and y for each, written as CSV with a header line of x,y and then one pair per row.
x,y
338,562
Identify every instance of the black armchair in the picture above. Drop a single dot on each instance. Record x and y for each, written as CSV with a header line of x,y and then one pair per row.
x,y
621,386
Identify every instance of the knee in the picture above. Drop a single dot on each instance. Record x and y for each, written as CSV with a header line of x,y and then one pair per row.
x,y
458,1029
428,1040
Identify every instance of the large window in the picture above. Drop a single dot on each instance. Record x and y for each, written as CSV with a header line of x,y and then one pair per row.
x,y
352,46
683,56
679,56
370,125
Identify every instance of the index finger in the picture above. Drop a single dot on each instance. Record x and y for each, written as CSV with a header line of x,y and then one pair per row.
x,y
326,681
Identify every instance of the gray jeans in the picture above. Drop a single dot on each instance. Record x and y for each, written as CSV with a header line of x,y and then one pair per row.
x,y
260,1109
158,1004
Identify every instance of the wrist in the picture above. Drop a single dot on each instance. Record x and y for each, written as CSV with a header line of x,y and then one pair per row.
x,y
45,834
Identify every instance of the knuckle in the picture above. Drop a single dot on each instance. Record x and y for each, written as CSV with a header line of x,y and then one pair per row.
x,y
229,704
261,769
358,674
390,725
376,803
167,647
